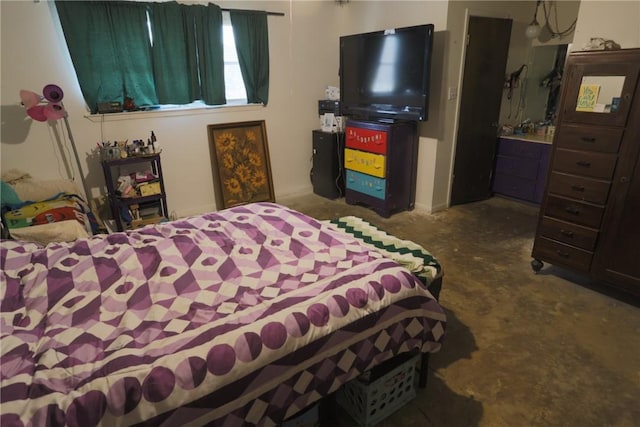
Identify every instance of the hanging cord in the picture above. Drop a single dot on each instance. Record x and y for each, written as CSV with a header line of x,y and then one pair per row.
x,y
522,103
547,16
515,80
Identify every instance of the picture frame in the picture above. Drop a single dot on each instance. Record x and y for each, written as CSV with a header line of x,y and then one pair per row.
x,y
241,163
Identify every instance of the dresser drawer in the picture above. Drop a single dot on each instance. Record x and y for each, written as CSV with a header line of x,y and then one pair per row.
x,y
517,148
578,187
602,139
561,254
514,186
594,165
362,161
581,213
372,140
367,184
572,234
517,166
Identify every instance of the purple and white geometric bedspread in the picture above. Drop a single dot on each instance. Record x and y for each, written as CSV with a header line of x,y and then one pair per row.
x,y
238,316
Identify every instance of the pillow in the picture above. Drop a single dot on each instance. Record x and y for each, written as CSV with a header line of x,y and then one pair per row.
x,y
8,196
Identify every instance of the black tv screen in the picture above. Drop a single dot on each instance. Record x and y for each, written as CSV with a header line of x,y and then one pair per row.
x,y
384,75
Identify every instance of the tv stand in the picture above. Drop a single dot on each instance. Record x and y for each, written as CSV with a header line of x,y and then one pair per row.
x,y
381,164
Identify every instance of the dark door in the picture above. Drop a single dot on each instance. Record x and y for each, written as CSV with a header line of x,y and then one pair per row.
x,y
481,94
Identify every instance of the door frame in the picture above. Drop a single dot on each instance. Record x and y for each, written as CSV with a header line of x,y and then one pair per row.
x,y
469,12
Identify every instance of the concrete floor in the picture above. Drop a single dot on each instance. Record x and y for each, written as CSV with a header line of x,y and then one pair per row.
x,y
522,349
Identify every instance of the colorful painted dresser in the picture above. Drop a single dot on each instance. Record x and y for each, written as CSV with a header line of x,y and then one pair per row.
x,y
380,163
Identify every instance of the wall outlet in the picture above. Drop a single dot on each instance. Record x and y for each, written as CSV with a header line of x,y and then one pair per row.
x,y
453,93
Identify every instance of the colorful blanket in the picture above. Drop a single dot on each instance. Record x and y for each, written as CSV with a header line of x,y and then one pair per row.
x,y
63,207
241,316
409,254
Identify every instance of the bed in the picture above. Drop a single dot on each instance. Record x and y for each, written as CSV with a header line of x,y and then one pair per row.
x,y
239,317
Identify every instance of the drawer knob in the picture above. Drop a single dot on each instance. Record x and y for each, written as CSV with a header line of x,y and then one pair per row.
x,y
572,210
584,164
588,139
578,188
562,253
567,233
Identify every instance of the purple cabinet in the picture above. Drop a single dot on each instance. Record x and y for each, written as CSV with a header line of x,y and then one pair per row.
x,y
521,168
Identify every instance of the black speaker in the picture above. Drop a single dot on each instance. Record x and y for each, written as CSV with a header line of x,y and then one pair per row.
x,y
327,173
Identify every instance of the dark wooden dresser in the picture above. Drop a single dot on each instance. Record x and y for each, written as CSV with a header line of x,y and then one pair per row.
x,y
590,216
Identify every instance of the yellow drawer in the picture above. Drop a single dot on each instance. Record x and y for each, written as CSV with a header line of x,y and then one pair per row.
x,y
361,161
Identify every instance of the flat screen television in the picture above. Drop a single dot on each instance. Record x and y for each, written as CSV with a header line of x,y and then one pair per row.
x,y
384,75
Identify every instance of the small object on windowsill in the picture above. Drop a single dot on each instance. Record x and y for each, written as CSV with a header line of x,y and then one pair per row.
x,y
109,107
129,105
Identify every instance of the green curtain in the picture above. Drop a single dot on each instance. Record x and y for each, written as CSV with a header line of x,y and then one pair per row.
x,y
187,14
208,24
187,53
170,54
252,43
110,50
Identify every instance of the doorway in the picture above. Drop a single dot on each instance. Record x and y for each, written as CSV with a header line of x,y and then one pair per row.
x,y
483,80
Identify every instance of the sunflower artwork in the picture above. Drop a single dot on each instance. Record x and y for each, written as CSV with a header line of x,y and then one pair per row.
x,y
240,157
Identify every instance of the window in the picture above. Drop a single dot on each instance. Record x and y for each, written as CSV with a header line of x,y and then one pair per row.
x,y
235,91
233,83
166,53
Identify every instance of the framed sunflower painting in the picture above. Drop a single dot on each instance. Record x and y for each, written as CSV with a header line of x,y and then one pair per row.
x,y
241,165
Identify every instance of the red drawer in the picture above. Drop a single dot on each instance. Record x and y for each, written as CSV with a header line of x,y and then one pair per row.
x,y
371,140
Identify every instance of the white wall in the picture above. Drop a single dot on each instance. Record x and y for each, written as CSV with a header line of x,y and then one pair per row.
x,y
609,19
304,59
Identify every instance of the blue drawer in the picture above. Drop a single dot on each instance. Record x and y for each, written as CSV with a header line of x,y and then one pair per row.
x,y
366,184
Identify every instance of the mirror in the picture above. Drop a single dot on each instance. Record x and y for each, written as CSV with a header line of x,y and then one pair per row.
x,y
600,94
542,93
